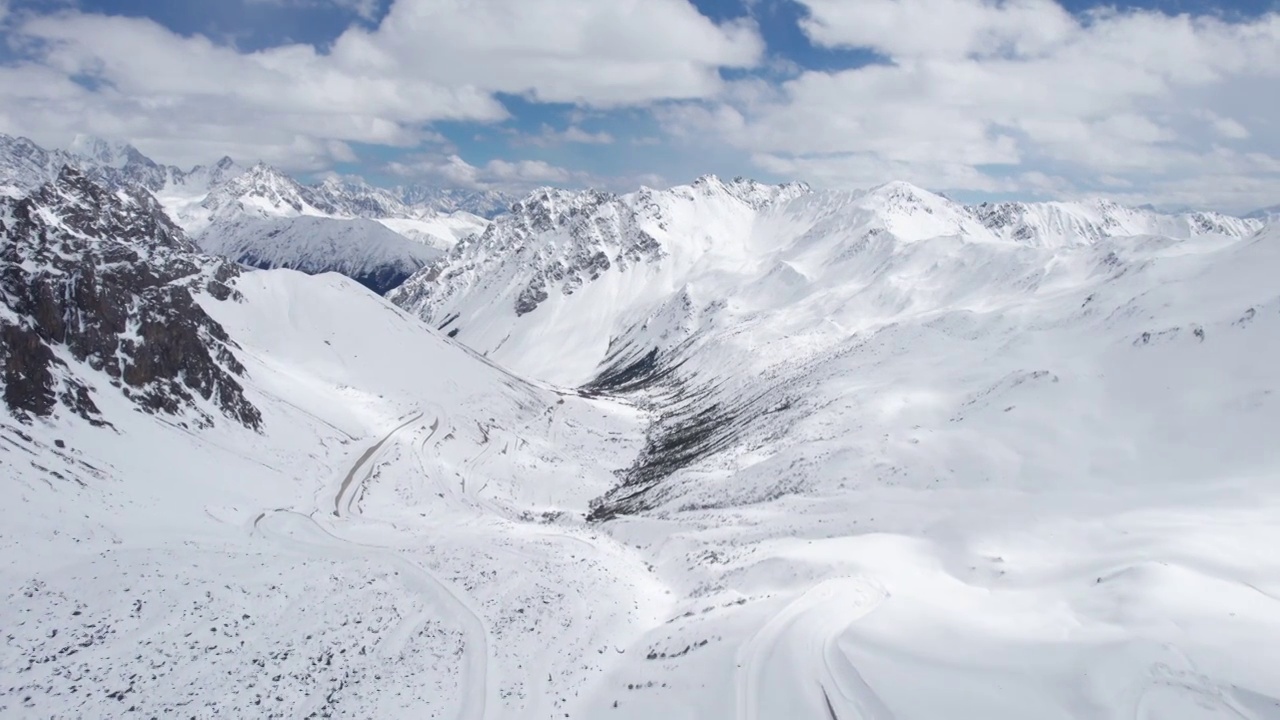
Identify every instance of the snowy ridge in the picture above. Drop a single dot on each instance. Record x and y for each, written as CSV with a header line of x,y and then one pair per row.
x,y
1267,214
364,250
1089,222
584,267
266,219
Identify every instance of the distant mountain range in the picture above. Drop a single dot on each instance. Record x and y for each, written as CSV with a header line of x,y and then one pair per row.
x,y
568,264
254,215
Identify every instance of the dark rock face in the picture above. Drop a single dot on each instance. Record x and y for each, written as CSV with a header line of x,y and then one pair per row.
x,y
104,278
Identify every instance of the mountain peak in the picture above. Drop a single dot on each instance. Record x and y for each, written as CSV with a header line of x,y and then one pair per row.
x,y
901,189
107,153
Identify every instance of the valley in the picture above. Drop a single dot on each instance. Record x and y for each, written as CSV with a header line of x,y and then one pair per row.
x,y
727,450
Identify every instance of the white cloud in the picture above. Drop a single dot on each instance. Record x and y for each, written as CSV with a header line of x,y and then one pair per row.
x,y
549,136
976,95
367,9
938,28
497,174
513,176
426,61
526,171
574,51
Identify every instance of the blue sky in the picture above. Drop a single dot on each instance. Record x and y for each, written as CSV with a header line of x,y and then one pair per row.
x,y
1163,101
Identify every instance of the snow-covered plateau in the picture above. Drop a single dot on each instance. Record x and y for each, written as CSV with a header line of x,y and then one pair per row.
x,y
727,450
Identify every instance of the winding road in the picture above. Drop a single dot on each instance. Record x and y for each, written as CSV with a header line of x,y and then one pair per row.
x,y
344,497
300,532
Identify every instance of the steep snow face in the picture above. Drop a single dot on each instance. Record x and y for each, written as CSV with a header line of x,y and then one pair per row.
x,y
364,250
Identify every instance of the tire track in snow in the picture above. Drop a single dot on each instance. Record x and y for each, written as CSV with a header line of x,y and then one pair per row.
x,y
803,635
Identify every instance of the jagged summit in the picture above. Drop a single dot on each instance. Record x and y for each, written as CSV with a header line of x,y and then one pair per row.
x,y
108,154
261,191
1064,223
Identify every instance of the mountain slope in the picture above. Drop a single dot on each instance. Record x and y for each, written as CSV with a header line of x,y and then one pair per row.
x,y
845,455
585,268
349,555
364,250
881,419
104,279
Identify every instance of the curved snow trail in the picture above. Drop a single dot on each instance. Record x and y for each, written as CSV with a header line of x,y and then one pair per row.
x,y
799,646
302,532
344,490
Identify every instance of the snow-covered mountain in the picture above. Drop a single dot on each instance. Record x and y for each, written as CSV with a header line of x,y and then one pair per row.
x,y
586,267
1090,222
140,570
103,279
484,203
802,454
266,219
363,250
901,448
253,214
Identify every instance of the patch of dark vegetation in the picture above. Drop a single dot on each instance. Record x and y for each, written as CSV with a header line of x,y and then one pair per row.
x,y
697,418
694,424
630,375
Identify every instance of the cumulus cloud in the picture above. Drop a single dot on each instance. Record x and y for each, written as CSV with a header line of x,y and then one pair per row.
x,y
497,174
549,136
512,176
426,61
973,95
367,9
